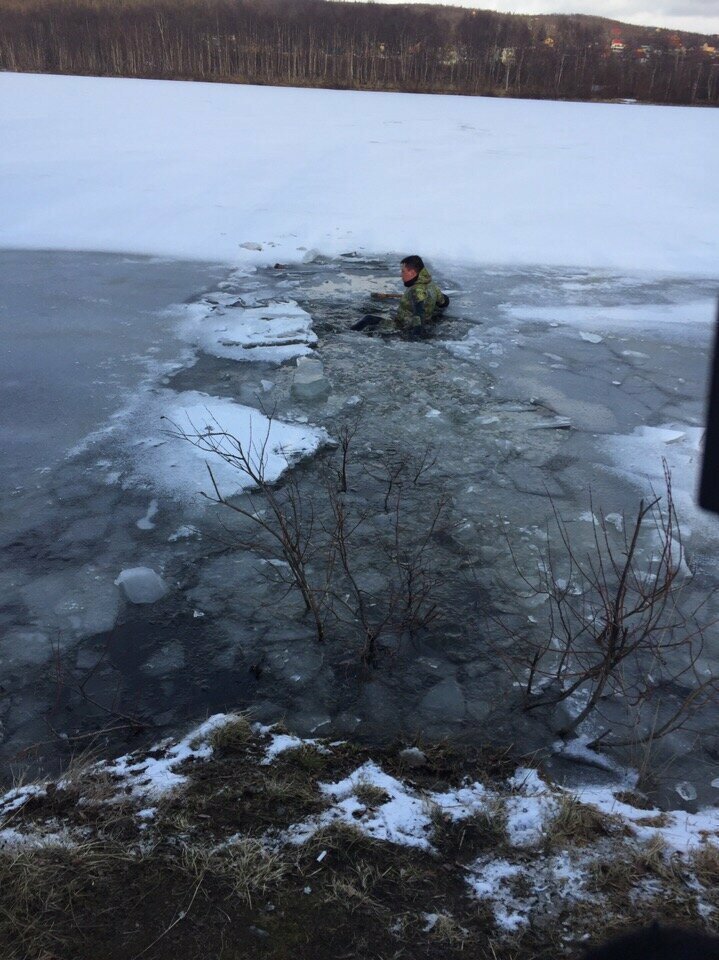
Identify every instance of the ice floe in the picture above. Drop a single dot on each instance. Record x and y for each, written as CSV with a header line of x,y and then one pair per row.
x,y
273,333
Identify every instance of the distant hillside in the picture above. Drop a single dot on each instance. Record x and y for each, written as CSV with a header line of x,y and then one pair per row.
x,y
362,46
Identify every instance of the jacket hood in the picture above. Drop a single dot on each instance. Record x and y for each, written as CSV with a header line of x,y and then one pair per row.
x,y
424,276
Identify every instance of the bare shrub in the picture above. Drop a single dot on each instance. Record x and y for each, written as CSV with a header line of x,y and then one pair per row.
x,y
318,543
616,629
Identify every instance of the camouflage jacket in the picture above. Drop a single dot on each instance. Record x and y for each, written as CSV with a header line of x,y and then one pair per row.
x,y
421,304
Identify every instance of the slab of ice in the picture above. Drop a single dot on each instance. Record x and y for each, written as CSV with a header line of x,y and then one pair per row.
x,y
24,648
165,461
640,456
309,381
185,532
170,656
77,602
686,790
273,333
643,317
142,585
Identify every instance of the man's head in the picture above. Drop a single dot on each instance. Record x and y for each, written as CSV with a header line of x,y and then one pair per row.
x,y
410,267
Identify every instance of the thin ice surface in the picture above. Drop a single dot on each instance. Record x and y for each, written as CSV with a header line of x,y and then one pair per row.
x,y
503,391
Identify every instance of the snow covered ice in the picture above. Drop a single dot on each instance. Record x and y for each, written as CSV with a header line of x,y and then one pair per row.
x,y
573,359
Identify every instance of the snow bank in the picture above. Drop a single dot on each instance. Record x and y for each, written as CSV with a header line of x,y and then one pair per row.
x,y
260,174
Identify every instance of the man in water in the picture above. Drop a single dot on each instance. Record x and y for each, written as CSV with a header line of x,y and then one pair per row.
x,y
419,308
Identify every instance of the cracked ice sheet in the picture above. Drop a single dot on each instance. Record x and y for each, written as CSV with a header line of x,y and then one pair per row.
x,y
674,318
176,467
273,333
638,457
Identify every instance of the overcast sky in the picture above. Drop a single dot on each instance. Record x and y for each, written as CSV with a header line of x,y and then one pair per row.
x,y
701,16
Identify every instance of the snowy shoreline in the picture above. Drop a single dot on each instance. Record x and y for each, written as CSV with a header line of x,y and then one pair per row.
x,y
304,817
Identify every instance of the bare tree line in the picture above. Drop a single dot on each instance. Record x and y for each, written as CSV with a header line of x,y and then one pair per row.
x,y
355,46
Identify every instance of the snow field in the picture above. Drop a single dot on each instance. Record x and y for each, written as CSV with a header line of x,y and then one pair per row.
x,y
260,174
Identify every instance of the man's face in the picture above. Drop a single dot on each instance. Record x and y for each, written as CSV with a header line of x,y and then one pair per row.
x,y
407,273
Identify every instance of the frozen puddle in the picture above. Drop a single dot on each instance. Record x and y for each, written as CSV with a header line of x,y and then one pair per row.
x,y
124,593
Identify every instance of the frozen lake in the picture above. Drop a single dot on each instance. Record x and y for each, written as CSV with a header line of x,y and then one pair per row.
x,y
540,382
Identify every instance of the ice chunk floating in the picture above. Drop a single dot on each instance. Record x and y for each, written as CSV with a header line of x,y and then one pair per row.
x,y
142,585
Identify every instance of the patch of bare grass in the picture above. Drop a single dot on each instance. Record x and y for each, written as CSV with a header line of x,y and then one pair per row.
x,y
233,736
342,840
356,888
624,872
634,799
449,931
370,795
659,821
246,865
705,862
307,758
42,888
578,824
465,839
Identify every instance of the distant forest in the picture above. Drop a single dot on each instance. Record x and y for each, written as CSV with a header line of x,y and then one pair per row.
x,y
362,46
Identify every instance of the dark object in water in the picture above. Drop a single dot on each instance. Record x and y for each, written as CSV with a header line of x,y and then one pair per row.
x,y
709,488
658,943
